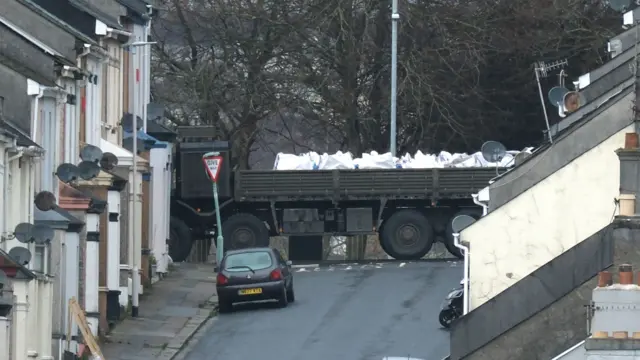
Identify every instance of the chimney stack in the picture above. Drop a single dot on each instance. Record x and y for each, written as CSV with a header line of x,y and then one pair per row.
x,y
614,305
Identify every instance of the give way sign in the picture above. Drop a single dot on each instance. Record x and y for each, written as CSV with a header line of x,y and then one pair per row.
x,y
212,164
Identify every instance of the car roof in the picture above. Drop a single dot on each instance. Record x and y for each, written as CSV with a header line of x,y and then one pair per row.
x,y
248,250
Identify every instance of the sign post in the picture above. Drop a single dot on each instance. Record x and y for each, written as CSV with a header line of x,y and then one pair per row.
x,y
213,164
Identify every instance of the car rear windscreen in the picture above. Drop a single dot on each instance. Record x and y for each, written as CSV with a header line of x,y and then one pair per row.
x,y
255,260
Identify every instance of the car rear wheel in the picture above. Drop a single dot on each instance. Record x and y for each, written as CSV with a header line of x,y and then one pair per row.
x,y
224,306
291,296
283,301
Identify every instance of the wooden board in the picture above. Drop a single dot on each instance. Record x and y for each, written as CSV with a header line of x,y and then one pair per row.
x,y
76,312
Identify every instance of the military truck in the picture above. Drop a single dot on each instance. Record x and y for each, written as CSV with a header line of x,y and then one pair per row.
x,y
409,209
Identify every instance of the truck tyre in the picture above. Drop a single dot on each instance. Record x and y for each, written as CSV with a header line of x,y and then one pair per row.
x,y
243,230
180,240
451,247
407,235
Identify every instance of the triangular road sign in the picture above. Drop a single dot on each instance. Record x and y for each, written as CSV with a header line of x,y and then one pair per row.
x,y
212,165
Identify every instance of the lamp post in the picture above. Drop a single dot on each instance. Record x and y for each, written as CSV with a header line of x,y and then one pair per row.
x,y
134,129
394,74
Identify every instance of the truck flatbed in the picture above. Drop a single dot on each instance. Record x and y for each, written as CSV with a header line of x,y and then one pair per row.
x,y
360,184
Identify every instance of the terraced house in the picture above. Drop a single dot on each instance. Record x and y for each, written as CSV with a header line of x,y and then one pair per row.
x,y
549,231
65,67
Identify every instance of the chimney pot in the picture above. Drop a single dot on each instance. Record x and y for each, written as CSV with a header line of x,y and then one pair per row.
x,y
620,335
626,274
631,141
605,279
600,335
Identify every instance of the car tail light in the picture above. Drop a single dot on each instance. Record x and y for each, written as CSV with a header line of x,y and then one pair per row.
x,y
275,275
221,279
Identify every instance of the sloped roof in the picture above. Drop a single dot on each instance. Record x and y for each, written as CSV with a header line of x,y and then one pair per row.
x,y
605,87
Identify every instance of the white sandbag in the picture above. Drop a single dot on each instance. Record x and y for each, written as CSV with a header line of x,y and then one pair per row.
x,y
294,162
338,160
374,160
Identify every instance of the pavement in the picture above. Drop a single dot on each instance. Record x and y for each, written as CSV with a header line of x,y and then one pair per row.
x,y
342,312
170,312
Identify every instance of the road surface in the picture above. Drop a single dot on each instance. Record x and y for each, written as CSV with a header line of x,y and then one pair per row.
x,y
342,312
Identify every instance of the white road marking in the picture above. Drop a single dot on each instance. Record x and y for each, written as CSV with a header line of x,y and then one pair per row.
x,y
402,264
301,270
348,268
305,266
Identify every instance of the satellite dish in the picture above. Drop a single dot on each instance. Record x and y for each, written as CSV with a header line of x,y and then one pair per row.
x,y
127,122
619,5
67,172
3,279
521,157
493,151
556,95
21,255
128,144
91,153
42,234
23,232
572,101
460,222
88,170
108,161
45,201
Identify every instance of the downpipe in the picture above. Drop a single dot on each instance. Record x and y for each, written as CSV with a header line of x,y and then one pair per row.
x,y
465,278
485,207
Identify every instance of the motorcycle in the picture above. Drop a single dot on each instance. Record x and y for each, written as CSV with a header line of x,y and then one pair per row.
x,y
451,308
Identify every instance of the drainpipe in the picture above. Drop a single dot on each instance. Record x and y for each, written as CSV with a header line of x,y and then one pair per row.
x,y
5,191
92,270
465,279
485,207
34,116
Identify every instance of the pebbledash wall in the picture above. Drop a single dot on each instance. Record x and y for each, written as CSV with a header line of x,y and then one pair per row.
x,y
544,221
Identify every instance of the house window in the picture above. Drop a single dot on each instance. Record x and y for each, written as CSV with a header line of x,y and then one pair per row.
x,y
49,142
71,133
40,261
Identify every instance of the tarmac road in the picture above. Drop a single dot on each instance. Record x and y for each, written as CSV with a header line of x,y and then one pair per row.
x,y
349,312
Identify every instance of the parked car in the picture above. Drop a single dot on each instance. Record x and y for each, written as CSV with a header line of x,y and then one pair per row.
x,y
254,274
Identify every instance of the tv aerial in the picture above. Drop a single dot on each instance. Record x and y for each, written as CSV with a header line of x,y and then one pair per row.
x,y
127,122
619,5
23,232
88,170
21,255
91,153
108,161
42,234
493,151
45,201
521,157
461,222
67,172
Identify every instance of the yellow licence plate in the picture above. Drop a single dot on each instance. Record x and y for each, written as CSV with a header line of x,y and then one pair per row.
x,y
250,291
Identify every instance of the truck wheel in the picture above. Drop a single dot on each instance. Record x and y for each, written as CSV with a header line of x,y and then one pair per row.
x,y
242,231
451,247
180,240
407,235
